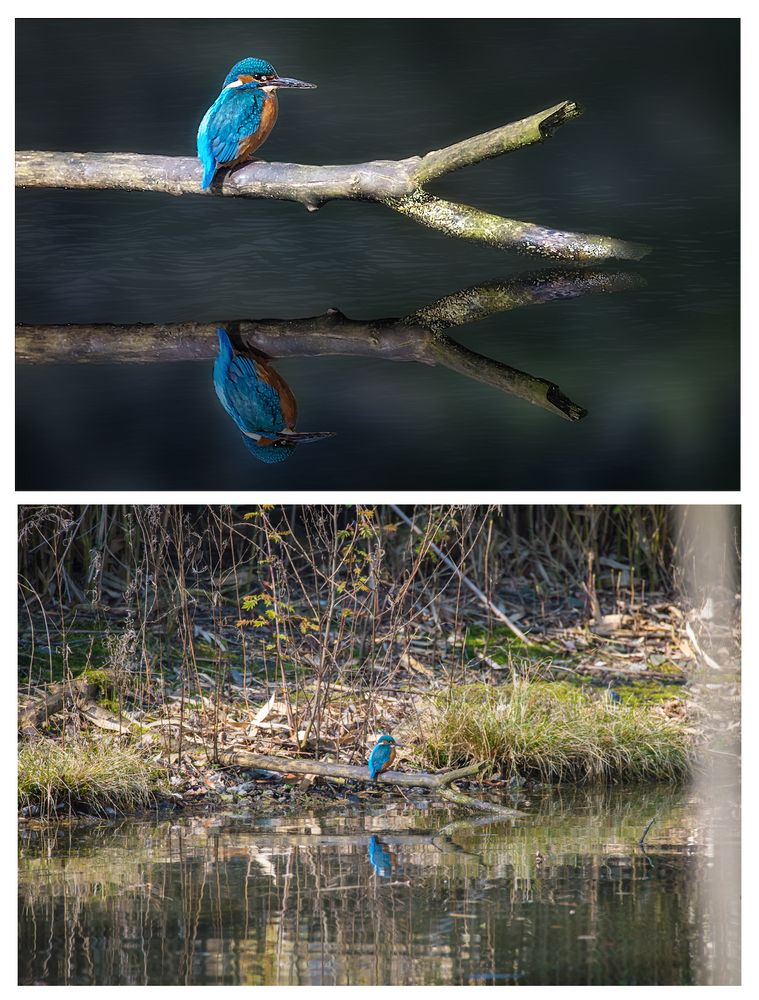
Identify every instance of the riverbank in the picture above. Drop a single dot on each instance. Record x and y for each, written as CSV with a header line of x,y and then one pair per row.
x,y
159,646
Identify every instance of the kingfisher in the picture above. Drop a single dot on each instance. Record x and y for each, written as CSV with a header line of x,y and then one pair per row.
x,y
259,401
382,755
242,116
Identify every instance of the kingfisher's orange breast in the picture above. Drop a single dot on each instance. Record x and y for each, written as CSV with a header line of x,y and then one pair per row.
x,y
251,143
286,399
390,760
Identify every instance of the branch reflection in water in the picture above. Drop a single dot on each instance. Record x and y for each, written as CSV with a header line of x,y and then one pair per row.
x,y
419,337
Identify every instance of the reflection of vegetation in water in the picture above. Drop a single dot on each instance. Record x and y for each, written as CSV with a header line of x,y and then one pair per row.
x,y
565,896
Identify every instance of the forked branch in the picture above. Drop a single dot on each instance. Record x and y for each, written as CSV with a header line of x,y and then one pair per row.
x,y
398,184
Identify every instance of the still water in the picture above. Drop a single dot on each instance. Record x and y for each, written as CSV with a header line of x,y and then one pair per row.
x,y
405,896
653,159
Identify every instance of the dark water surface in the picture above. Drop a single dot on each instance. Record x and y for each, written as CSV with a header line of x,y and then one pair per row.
x,y
399,897
653,159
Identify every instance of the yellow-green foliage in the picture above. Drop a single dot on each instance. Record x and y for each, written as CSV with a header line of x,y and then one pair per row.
x,y
97,773
553,732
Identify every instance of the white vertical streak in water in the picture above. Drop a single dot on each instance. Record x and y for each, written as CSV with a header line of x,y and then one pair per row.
x,y
710,565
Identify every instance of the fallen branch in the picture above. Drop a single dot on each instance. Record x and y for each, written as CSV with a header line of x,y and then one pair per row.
x,y
32,717
102,718
397,184
620,673
407,779
454,795
699,650
329,769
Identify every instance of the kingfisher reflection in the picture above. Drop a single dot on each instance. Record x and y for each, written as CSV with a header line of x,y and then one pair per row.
x,y
259,401
381,858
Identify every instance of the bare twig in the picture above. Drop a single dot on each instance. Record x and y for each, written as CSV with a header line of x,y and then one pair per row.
x,y
642,840
498,612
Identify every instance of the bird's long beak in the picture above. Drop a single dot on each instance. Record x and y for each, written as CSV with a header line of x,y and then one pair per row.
x,y
284,81
304,437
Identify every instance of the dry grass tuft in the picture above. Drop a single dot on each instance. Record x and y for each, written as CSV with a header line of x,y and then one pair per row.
x,y
552,732
96,774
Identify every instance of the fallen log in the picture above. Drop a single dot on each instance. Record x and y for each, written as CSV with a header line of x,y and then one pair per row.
x,y
32,717
457,797
397,184
437,781
329,769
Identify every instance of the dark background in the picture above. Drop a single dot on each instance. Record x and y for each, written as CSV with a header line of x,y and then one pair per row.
x,y
654,158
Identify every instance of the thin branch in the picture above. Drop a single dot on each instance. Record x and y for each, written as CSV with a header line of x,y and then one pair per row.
x,y
483,598
525,132
642,840
469,223
398,184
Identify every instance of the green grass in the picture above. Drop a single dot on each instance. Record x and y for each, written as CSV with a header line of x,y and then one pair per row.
x,y
551,731
84,772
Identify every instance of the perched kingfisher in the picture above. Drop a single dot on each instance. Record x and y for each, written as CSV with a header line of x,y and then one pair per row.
x,y
259,401
382,755
242,116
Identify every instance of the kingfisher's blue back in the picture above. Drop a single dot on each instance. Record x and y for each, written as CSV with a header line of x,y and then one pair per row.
x,y
380,858
235,115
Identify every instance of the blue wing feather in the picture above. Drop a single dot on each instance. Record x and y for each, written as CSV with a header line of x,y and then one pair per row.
x,y
234,115
243,391
379,756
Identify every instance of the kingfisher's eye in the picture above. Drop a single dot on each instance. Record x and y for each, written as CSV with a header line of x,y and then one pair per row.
x,y
263,77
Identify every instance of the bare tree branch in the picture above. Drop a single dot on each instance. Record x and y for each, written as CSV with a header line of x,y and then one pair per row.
x,y
438,781
398,184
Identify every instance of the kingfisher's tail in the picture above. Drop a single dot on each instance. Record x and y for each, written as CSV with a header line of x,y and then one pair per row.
x,y
209,170
305,437
225,344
